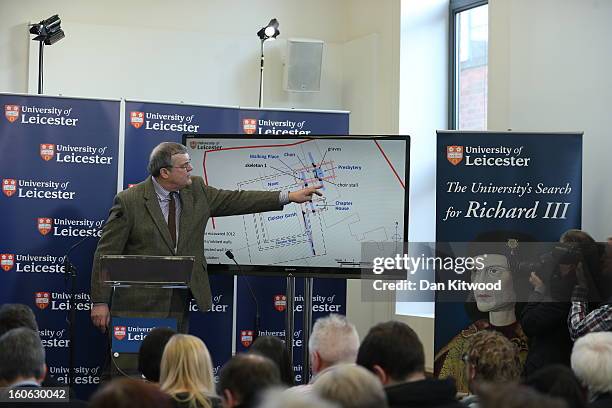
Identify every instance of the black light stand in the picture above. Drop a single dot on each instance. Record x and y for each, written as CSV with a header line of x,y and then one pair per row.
x,y
269,32
47,32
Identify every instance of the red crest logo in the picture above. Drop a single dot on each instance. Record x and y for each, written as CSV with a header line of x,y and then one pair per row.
x,y
193,144
249,126
42,299
11,112
280,302
44,225
9,187
246,337
137,119
47,151
7,261
454,154
119,332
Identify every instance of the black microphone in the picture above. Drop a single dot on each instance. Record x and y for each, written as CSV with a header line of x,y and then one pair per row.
x,y
230,255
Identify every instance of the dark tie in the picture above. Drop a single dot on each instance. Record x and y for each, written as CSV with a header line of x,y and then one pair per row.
x,y
172,217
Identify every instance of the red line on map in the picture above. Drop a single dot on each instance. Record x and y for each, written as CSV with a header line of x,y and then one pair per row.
x,y
390,165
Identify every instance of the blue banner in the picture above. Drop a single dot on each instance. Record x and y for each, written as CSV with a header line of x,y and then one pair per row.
x,y
59,176
129,332
527,183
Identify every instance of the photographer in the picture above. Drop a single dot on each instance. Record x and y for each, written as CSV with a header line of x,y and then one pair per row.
x,y
593,282
544,317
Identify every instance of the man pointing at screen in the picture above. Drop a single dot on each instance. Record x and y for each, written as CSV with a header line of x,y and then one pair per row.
x,y
166,215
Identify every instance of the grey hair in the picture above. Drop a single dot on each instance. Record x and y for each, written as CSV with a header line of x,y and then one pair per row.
x,y
293,398
335,339
21,355
161,156
592,361
350,386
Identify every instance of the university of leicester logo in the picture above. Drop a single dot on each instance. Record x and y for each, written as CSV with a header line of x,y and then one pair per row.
x,y
193,144
454,154
47,151
44,225
11,112
7,261
119,332
136,119
246,337
9,187
280,302
42,299
249,126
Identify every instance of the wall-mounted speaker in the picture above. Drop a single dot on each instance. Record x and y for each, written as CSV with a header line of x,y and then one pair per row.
x,y
303,65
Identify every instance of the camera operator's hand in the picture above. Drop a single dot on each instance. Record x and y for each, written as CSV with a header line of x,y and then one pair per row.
x,y
581,276
537,283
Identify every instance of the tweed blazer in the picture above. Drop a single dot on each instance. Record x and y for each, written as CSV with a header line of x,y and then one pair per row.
x,y
136,226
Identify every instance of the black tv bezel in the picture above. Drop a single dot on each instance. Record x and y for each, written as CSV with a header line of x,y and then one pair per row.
x,y
303,271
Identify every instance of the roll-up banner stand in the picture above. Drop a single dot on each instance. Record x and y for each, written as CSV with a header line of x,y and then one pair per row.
x,y
527,183
59,176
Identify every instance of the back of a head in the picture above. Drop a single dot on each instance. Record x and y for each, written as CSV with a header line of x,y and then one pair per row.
x,y
247,375
186,366
293,398
395,347
515,396
350,386
21,355
15,315
592,361
494,357
151,350
130,393
559,381
274,348
335,339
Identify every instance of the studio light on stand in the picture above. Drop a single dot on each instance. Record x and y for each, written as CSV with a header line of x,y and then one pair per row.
x,y
269,32
47,32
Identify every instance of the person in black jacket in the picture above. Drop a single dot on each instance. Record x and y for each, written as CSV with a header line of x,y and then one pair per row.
x,y
394,353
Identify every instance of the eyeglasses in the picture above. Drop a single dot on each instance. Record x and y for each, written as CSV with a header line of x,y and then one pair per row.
x,y
184,166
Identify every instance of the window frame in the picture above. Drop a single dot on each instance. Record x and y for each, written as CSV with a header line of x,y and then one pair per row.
x,y
456,7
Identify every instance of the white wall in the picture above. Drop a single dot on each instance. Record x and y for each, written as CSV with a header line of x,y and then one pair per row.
x,y
193,51
549,70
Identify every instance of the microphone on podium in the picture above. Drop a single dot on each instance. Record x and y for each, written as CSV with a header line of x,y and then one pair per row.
x,y
230,255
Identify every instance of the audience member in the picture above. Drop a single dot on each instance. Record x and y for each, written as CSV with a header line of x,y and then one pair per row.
x,y
244,378
292,398
558,381
274,348
333,340
593,282
394,353
544,317
490,358
15,315
22,365
186,373
516,396
130,393
22,359
350,386
151,350
592,364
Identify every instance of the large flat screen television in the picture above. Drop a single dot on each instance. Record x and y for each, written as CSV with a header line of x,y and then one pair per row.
x,y
365,199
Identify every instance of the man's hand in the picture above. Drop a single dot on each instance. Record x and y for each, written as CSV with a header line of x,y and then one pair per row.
x,y
305,194
100,316
537,283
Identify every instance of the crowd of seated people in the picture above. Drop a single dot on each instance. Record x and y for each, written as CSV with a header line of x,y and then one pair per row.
x,y
385,369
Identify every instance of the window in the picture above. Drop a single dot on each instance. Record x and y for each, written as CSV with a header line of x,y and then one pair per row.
x,y
469,38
